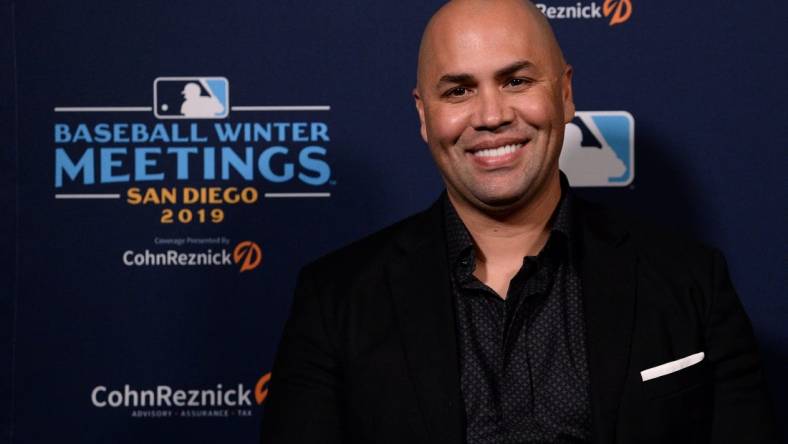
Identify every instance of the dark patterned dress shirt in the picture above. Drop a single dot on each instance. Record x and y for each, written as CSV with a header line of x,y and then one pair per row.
x,y
523,368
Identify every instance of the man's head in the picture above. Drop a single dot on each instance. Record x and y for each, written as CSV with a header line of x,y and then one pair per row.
x,y
493,96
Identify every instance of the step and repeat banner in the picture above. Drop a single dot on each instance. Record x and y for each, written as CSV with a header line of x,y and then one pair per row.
x,y
169,166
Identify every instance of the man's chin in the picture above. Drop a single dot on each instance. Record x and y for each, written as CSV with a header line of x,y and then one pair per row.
x,y
494,200
501,203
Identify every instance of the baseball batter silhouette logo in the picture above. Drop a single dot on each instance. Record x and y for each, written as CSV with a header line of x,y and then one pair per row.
x,y
191,97
599,149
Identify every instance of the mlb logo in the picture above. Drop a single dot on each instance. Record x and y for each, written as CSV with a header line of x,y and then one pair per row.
x,y
599,149
191,97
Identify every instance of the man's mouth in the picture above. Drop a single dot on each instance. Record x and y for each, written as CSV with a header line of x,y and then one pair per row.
x,y
498,151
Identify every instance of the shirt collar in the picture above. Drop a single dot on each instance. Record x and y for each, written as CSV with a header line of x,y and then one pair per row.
x,y
460,243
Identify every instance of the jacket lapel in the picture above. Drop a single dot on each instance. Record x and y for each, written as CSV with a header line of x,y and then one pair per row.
x,y
608,263
423,304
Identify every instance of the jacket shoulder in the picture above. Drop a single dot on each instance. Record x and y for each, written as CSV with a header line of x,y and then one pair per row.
x,y
649,238
664,254
373,252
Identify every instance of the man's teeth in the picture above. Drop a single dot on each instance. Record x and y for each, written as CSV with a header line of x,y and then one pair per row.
x,y
500,151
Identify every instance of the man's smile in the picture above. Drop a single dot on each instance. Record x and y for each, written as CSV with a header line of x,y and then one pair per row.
x,y
497,153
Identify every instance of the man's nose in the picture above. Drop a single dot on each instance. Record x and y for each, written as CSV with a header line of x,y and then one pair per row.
x,y
492,111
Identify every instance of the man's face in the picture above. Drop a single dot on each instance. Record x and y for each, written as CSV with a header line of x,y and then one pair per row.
x,y
493,99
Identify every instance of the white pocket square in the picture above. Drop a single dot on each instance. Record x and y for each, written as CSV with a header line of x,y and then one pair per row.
x,y
671,367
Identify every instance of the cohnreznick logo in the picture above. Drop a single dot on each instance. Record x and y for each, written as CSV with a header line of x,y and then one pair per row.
x,y
164,401
261,388
619,11
616,11
247,255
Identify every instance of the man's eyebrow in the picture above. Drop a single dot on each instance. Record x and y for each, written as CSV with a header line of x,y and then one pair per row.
x,y
503,72
456,78
513,68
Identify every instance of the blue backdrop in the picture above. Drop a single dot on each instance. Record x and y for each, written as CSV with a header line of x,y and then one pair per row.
x,y
106,336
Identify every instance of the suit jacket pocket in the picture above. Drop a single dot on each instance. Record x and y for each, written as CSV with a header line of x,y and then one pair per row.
x,y
676,382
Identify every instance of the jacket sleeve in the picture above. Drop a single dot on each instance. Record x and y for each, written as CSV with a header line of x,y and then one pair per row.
x,y
303,404
742,408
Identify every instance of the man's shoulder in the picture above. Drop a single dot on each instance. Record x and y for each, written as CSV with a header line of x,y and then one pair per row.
x,y
655,244
662,247
372,253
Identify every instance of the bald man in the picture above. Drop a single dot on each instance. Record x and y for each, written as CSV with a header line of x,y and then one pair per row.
x,y
511,311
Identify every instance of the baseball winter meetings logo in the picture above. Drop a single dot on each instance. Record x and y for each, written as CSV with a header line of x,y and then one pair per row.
x,y
186,157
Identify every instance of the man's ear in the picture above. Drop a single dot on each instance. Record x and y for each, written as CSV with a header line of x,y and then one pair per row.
x,y
566,90
420,110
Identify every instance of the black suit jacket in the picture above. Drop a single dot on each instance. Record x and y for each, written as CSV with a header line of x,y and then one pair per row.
x,y
369,353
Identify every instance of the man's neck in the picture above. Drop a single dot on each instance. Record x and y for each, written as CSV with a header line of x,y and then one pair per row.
x,y
502,240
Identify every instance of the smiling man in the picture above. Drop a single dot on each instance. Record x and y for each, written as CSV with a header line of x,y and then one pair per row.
x,y
511,311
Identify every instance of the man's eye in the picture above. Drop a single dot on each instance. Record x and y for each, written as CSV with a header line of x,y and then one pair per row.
x,y
457,92
518,82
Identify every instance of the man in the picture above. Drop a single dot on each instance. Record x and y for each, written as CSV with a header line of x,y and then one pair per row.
x,y
510,311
